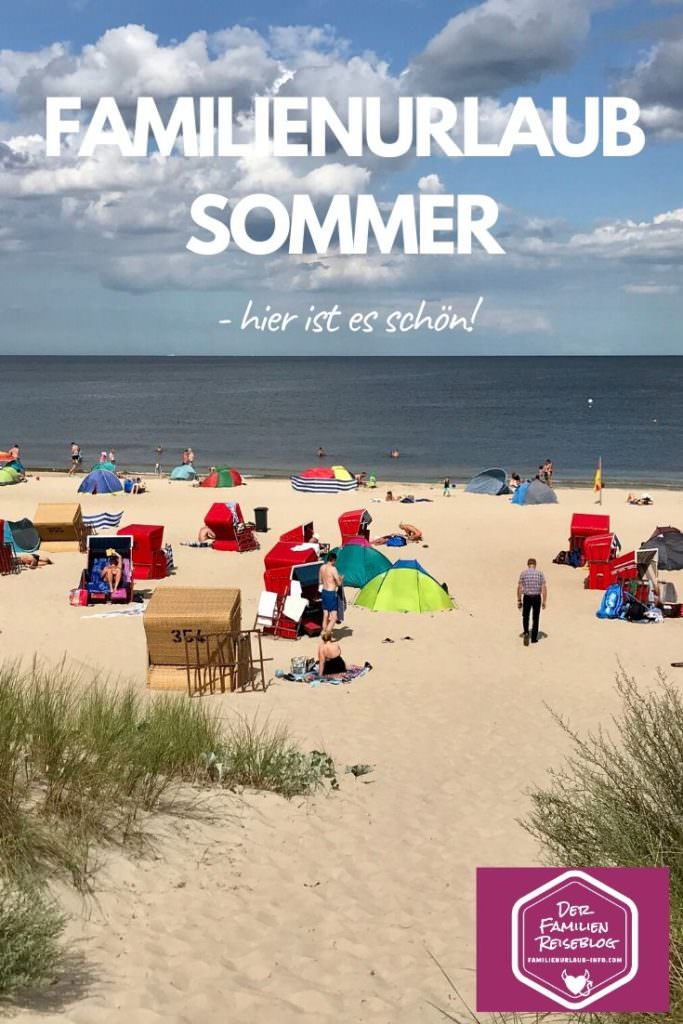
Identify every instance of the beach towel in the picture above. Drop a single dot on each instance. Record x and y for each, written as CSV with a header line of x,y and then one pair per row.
x,y
137,609
314,680
611,604
170,562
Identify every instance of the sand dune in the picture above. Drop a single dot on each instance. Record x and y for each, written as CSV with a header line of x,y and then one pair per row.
x,y
327,909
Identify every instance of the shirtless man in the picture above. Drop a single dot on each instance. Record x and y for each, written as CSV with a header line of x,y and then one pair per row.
x,y
329,580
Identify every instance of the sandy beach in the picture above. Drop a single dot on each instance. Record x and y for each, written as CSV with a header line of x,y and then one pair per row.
x,y
327,909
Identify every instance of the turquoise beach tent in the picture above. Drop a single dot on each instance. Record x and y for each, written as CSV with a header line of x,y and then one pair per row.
x,y
360,563
183,473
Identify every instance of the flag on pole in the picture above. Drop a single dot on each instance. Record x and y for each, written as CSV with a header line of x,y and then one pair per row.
x,y
597,482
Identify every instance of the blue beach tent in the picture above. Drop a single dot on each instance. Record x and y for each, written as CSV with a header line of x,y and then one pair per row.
x,y
100,481
534,492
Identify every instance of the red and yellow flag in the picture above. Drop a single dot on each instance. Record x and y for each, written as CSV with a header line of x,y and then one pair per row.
x,y
597,483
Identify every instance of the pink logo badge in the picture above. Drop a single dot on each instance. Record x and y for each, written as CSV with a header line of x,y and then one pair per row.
x,y
572,938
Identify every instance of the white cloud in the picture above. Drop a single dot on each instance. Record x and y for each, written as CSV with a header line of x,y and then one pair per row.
x,y
651,288
15,65
657,83
430,183
129,61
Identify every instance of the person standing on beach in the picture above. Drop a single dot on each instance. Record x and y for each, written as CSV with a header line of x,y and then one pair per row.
x,y
157,465
532,595
75,457
447,487
330,581
190,457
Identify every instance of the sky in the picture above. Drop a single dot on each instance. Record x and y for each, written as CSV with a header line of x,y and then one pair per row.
x,y
92,250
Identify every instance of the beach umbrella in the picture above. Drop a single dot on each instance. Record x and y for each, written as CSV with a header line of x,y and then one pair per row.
x,y
100,481
9,475
406,587
360,563
184,472
223,476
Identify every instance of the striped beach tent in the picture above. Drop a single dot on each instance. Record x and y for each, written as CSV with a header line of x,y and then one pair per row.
x,y
324,480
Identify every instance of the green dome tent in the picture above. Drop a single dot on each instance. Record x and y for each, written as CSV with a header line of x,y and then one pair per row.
x,y
109,466
8,475
406,587
360,563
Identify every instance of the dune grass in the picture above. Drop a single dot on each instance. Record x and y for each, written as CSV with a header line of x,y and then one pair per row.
x,y
81,765
618,801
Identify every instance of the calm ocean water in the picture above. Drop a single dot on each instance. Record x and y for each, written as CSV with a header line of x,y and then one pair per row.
x,y
268,415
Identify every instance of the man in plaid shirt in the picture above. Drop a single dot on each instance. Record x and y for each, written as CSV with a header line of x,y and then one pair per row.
x,y
532,595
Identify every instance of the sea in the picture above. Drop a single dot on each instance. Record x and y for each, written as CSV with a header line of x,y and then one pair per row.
x,y
267,416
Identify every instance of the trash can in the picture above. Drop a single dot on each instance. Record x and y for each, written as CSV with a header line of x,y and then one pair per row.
x,y
261,519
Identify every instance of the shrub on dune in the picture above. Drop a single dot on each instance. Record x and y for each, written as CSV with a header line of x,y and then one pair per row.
x,y
618,801
30,930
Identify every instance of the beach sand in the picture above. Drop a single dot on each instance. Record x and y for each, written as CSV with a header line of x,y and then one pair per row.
x,y
327,909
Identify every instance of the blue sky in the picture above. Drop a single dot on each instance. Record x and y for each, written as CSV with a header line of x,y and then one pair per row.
x,y
93,259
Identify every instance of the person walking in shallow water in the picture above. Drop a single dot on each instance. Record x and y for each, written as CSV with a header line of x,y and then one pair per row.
x,y
532,595
75,457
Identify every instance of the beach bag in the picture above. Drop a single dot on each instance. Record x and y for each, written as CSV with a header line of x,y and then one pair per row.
x,y
78,597
396,542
